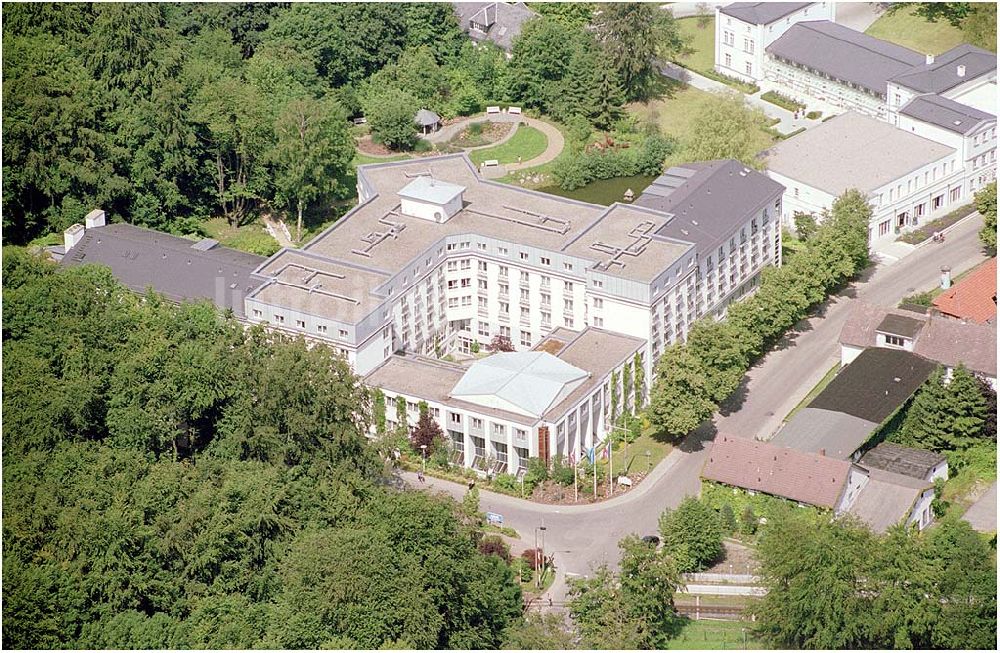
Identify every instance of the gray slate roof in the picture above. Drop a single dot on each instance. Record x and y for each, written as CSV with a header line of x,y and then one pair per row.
x,y
834,434
426,118
900,325
947,114
826,156
845,54
175,267
886,499
503,20
944,340
762,13
942,75
915,463
709,200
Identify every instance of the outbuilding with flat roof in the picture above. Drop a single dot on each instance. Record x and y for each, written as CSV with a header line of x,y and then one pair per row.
x,y
909,180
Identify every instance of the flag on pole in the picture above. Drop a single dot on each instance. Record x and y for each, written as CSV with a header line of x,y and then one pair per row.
x,y
572,458
590,455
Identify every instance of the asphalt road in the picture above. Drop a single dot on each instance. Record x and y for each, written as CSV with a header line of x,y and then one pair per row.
x,y
582,537
774,387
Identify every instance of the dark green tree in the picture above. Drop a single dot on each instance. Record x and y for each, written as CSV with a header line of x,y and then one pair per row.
x,y
986,204
634,35
946,416
692,535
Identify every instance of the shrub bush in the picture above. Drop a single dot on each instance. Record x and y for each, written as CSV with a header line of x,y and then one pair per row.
x,y
562,474
572,172
495,546
782,101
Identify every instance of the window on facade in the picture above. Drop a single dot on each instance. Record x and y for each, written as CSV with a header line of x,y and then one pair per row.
x,y
526,338
279,318
504,331
598,321
300,324
482,266
524,256
477,423
729,60
503,251
546,261
598,302
503,271
321,328
453,302
568,285
568,305
749,68
504,308
567,266
257,313
466,264
484,329
895,341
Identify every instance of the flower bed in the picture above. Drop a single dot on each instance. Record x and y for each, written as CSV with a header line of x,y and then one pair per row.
x,y
926,231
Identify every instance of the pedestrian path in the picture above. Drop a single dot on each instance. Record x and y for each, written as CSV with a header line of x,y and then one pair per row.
x,y
983,513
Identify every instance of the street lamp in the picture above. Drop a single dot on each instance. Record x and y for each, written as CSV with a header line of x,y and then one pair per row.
x,y
649,463
539,564
423,456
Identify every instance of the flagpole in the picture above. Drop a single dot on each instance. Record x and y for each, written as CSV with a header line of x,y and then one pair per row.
x,y
576,493
611,466
593,463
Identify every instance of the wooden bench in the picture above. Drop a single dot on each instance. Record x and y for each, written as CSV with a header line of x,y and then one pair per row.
x,y
492,110
514,111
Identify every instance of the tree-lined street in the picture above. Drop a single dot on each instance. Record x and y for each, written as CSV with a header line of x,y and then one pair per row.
x,y
581,537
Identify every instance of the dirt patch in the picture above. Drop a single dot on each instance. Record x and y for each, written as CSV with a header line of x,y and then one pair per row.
x,y
485,134
367,146
738,559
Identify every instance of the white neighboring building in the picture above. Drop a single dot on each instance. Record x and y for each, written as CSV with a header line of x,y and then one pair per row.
x,y
965,73
970,131
743,30
908,179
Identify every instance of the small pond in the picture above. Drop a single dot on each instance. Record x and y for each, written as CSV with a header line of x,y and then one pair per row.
x,y
604,191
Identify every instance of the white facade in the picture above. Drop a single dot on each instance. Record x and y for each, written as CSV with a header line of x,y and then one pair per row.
x,y
901,205
487,443
857,478
739,45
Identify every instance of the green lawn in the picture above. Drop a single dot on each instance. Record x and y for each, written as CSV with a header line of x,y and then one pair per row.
x,y
911,31
251,238
363,159
706,634
636,460
676,110
702,42
527,143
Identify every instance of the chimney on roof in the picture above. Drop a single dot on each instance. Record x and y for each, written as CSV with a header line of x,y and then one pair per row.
x,y
930,59
72,236
822,452
94,219
960,70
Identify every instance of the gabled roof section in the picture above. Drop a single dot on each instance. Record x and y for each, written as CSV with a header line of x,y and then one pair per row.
x,y
915,463
762,467
426,118
974,297
503,20
947,114
900,325
522,382
942,75
943,340
887,499
875,384
825,432
762,13
845,54
709,200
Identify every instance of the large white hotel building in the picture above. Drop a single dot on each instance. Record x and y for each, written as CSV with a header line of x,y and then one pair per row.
x,y
435,258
